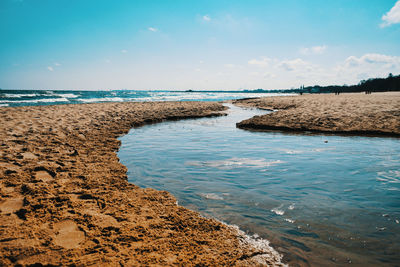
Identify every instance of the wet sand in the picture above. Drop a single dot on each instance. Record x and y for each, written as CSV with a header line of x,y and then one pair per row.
x,y
65,199
376,114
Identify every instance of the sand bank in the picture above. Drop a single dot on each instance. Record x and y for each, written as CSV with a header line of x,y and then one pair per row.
x,y
360,114
65,199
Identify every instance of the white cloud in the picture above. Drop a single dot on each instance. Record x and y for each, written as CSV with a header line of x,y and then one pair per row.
x,y
372,65
315,50
254,73
295,65
206,18
152,29
57,64
124,51
264,62
392,17
268,75
230,66
50,68
372,59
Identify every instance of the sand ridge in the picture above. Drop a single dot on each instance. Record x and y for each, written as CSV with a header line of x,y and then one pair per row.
x,y
375,114
65,199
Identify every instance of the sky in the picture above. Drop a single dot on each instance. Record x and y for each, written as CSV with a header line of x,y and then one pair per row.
x,y
196,44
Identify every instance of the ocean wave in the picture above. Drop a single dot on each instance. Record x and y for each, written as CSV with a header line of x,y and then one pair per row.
x,y
43,100
235,163
185,96
18,95
104,99
67,95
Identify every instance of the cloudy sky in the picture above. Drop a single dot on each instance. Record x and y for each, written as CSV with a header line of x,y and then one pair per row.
x,y
196,44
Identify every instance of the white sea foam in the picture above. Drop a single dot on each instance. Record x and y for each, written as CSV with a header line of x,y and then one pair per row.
x,y
43,100
268,256
67,95
278,210
3,105
291,207
235,163
212,196
19,95
104,99
289,220
179,96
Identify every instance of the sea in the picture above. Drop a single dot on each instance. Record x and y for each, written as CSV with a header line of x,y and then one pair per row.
x,y
13,98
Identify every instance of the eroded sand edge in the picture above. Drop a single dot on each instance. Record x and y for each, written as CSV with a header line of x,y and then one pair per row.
x,y
65,199
375,114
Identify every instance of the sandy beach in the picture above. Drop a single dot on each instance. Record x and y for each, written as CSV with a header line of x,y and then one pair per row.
x,y
376,114
65,199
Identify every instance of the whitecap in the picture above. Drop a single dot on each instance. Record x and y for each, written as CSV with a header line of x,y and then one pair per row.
x,y
289,220
67,95
43,100
19,95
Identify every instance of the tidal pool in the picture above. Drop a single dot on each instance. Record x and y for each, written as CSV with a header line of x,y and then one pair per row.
x,y
320,199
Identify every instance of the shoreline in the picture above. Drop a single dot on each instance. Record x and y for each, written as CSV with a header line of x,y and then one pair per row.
x,y
65,198
354,114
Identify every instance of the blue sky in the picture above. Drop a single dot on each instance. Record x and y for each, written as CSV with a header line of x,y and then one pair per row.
x,y
204,44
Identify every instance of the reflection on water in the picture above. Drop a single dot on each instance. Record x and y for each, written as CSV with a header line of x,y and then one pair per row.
x,y
320,200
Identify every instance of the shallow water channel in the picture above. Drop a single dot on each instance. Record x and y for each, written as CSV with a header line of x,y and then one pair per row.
x,y
319,199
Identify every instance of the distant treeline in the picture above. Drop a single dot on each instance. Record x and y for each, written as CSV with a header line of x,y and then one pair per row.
x,y
391,83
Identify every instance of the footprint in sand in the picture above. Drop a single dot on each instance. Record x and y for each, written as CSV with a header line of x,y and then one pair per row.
x,y
11,205
68,235
44,175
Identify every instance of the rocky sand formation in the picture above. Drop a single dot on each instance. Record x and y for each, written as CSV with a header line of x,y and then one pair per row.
x,y
376,114
65,198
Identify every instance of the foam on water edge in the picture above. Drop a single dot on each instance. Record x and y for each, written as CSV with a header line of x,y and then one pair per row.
x,y
267,255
